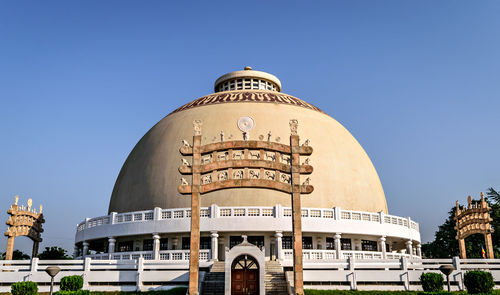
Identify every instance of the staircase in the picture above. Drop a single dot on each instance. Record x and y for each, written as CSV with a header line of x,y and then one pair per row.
x,y
213,283
275,279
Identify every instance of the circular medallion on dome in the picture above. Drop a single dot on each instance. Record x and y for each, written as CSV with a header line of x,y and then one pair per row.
x,y
245,124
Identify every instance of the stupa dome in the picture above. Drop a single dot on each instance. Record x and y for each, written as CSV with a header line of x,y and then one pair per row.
x,y
343,174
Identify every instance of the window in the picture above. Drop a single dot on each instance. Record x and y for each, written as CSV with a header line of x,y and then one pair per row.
x,y
368,245
186,243
287,242
307,242
234,240
345,244
256,240
125,246
205,243
164,244
330,244
147,245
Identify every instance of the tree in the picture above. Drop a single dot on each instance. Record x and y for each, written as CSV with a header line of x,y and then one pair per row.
x,y
445,244
16,255
53,253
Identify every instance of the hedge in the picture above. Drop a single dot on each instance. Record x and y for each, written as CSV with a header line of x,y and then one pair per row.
x,y
24,288
71,283
431,282
477,281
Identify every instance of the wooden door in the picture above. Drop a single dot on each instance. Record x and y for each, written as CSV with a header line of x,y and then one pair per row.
x,y
244,276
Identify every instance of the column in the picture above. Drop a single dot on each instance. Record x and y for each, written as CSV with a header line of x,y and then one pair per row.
x,y
85,248
279,245
409,248
10,248
215,246
419,250
381,243
489,246
194,250
156,246
175,241
76,251
34,253
338,246
461,247
111,244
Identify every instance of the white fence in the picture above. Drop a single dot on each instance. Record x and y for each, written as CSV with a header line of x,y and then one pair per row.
x,y
140,274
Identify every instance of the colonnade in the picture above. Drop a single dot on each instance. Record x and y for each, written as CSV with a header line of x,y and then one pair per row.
x,y
278,246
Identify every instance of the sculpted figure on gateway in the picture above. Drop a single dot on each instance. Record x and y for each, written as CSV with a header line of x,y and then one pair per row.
x,y
231,164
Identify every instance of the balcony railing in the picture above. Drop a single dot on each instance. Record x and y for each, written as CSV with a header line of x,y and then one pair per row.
x,y
165,255
318,255
255,212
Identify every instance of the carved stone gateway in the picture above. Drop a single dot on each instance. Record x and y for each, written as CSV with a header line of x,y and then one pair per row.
x,y
475,219
246,164
23,221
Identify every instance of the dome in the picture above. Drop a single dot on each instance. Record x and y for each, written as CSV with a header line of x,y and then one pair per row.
x,y
343,174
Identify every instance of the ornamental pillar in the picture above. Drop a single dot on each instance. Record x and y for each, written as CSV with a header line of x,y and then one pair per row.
x,y
85,248
76,251
156,246
111,244
215,246
419,250
381,242
337,245
279,245
409,248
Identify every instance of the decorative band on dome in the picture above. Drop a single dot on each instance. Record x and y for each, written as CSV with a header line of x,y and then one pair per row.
x,y
255,96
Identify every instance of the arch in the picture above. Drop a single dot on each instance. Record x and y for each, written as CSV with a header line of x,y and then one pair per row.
x,y
255,259
245,275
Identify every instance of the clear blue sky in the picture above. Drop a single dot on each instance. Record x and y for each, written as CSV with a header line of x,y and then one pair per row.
x,y
416,82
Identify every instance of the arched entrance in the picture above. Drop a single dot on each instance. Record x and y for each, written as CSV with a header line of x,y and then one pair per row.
x,y
245,276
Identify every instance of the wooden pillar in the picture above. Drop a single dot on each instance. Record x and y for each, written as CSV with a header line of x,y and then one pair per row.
x,y
461,248
34,253
296,215
194,250
10,248
489,246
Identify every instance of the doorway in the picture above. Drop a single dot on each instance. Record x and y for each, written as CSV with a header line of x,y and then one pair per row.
x,y
245,276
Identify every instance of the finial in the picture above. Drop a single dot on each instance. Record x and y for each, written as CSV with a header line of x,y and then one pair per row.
x,y
41,207
16,200
197,127
482,196
294,124
247,68
30,202
469,201
221,135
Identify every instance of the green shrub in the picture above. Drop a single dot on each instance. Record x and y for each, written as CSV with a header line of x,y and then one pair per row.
x,y
431,282
477,281
78,292
71,283
24,288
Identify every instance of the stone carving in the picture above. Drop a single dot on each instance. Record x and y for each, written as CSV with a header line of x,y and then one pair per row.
x,y
254,174
206,159
286,159
238,155
294,124
238,174
206,179
185,143
214,138
16,200
270,175
197,127
221,136
41,208
306,143
270,157
223,156
30,202
238,96
286,178
184,162
255,156
230,136
261,137
222,176
245,136
278,139
184,181
307,161
306,182
269,136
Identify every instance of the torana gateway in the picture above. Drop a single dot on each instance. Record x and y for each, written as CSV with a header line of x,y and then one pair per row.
x,y
251,156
